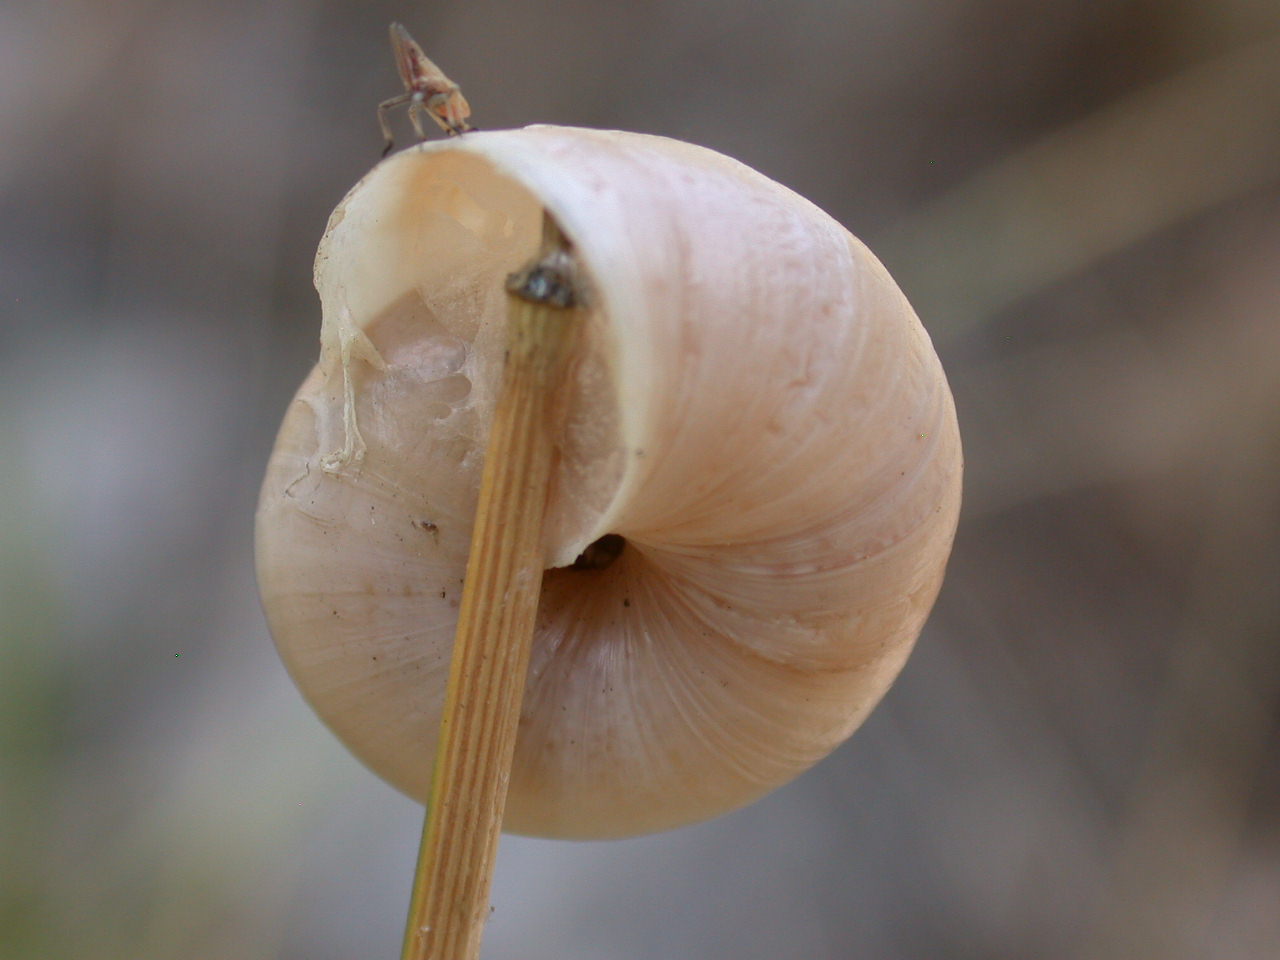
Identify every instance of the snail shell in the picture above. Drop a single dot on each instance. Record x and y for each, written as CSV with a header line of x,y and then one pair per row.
x,y
754,407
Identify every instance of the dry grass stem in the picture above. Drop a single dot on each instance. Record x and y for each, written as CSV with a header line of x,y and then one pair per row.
x,y
495,628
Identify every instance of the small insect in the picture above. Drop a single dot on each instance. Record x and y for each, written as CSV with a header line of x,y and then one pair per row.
x,y
426,89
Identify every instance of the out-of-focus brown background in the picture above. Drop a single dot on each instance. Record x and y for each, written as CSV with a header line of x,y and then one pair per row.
x,y
1082,200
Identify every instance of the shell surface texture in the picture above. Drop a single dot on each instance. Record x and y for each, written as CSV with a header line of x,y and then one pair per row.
x,y
753,499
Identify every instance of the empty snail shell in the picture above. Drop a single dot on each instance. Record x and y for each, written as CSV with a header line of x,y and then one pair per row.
x,y
752,506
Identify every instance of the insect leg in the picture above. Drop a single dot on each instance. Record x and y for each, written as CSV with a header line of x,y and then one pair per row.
x,y
416,109
383,122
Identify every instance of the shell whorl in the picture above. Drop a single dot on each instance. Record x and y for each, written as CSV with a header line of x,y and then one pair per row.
x,y
755,408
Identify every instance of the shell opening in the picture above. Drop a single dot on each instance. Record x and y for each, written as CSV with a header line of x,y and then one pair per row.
x,y
420,266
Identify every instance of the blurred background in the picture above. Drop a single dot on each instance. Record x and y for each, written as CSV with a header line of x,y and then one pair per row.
x,y
1083,202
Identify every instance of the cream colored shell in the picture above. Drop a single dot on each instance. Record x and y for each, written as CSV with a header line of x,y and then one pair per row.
x,y
755,408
